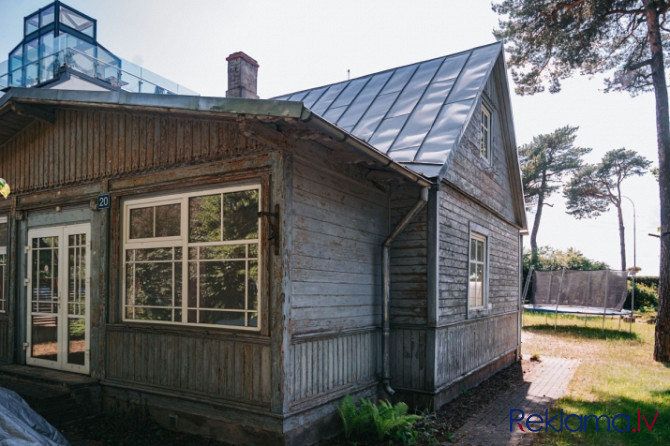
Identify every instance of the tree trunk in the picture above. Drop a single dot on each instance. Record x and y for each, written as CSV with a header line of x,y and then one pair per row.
x,y
622,236
536,221
662,339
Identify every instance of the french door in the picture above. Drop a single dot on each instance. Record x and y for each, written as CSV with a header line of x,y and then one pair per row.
x,y
58,295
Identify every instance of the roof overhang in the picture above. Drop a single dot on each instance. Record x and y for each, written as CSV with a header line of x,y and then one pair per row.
x,y
20,107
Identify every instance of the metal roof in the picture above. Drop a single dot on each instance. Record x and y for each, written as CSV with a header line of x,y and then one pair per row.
x,y
415,114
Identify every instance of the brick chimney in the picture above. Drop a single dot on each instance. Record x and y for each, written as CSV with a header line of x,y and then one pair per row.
x,y
242,76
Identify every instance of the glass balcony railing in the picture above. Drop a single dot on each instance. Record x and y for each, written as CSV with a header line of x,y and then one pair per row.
x,y
82,58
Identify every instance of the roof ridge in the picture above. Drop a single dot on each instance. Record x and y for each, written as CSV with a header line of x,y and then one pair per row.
x,y
499,42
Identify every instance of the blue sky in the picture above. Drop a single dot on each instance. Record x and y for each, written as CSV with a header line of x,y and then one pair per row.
x,y
301,44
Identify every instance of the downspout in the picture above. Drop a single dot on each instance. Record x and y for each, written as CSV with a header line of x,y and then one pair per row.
x,y
386,291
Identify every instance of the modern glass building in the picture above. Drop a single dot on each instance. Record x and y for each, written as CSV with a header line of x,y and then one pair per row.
x,y
60,43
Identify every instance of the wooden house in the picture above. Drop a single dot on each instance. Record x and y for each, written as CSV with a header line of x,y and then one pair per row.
x,y
235,266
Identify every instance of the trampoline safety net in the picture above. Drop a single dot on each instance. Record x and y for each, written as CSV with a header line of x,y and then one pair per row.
x,y
600,290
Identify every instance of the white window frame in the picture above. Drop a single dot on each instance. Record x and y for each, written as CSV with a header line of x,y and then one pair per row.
x,y
485,146
480,237
182,241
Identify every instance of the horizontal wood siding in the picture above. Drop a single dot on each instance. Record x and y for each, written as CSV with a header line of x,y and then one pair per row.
x,y
339,224
408,358
466,347
85,145
326,364
469,171
409,260
201,365
456,212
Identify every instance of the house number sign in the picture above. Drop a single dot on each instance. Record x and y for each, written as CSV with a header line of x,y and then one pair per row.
x,y
104,201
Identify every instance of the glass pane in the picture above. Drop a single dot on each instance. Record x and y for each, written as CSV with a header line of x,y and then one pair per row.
x,y
222,284
77,275
3,234
142,223
240,215
252,285
473,249
480,250
45,280
153,254
221,318
76,348
253,319
168,220
205,218
153,284
32,24
220,252
74,20
153,314
44,335
47,16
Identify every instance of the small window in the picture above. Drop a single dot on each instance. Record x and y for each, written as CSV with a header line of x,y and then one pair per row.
x,y
485,149
3,263
478,271
193,258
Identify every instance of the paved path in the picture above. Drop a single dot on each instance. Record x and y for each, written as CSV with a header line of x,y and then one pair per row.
x,y
545,383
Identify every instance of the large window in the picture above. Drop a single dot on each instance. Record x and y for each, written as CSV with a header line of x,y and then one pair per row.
x,y
3,263
478,271
485,149
193,258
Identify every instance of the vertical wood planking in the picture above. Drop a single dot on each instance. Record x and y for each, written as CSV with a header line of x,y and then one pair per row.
x,y
224,368
327,363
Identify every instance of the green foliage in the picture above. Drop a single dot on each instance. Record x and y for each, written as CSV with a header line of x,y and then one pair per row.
x,y
549,259
594,188
549,40
646,296
547,159
377,421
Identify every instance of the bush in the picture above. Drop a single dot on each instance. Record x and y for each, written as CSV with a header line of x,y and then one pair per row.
x,y
373,421
646,296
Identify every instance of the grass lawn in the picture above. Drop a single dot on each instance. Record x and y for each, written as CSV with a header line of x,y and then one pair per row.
x,y
617,375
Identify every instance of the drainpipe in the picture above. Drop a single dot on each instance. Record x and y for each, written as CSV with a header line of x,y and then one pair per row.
x,y
386,291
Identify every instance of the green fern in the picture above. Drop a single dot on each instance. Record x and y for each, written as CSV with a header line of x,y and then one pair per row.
x,y
376,420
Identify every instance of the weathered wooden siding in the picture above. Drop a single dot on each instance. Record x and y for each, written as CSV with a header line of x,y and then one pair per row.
x,y
409,358
340,223
202,364
408,260
87,145
463,348
456,212
473,174
330,363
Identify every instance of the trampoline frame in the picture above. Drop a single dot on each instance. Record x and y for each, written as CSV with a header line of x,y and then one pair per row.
x,y
572,309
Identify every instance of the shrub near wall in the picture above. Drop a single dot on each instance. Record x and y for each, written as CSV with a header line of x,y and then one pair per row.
x,y
646,293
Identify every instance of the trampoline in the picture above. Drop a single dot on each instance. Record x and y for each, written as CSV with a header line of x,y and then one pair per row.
x,y
586,293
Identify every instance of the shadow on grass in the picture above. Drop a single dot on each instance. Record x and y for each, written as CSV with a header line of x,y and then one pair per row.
x,y
585,332
625,427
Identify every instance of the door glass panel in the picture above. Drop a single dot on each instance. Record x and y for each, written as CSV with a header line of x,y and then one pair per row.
x,y
76,308
76,333
44,294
